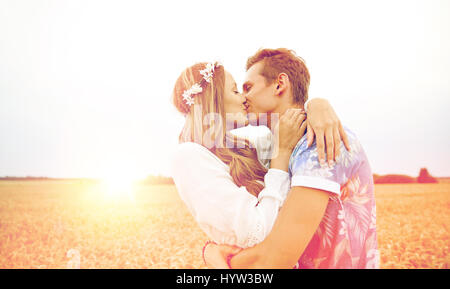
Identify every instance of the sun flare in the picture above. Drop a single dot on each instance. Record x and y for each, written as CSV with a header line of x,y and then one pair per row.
x,y
119,188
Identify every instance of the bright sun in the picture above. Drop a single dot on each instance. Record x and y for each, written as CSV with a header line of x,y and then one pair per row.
x,y
119,187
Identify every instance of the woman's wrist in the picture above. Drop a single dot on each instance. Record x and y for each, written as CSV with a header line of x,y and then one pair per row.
x,y
285,151
281,161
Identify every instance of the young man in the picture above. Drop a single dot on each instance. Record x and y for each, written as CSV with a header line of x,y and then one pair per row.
x,y
328,219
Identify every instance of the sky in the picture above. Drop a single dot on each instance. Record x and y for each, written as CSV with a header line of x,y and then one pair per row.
x,y
85,86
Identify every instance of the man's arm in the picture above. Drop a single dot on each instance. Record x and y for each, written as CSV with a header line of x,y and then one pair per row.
x,y
296,224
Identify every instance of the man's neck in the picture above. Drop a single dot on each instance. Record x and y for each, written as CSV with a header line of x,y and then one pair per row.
x,y
280,110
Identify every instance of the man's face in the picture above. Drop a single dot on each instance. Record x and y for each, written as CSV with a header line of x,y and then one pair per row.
x,y
260,96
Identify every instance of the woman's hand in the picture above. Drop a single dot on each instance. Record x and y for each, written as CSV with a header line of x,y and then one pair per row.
x,y
215,256
325,125
289,130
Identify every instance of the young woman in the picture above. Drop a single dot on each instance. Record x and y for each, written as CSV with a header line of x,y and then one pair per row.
x,y
220,175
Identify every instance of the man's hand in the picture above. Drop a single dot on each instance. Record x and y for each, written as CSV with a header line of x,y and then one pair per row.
x,y
216,255
323,122
294,228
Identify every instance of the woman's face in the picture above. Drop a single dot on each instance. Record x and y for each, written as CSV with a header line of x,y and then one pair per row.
x,y
234,103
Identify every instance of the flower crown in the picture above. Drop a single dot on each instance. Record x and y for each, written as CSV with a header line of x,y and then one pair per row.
x,y
196,88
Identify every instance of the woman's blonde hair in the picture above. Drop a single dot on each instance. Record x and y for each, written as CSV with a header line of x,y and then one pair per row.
x,y
207,115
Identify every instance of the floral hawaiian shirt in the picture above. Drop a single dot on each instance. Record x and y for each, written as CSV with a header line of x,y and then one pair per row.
x,y
346,236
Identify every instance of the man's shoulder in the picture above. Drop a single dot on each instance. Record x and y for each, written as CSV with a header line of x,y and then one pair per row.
x,y
305,169
302,145
307,157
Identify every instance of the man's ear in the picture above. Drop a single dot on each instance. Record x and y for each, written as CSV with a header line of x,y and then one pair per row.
x,y
282,84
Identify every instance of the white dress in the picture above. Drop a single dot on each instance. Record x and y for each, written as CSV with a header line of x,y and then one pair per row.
x,y
229,214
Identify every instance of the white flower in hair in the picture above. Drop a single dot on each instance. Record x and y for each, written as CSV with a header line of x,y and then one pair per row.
x,y
196,88
189,101
187,94
208,72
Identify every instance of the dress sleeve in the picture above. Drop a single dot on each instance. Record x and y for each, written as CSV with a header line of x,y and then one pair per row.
x,y
227,213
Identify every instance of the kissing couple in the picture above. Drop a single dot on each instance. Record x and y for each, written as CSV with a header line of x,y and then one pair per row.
x,y
273,179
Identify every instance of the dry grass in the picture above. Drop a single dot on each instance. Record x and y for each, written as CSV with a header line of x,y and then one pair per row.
x,y
413,225
60,224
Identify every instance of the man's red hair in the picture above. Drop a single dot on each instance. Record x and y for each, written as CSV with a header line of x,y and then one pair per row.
x,y
282,60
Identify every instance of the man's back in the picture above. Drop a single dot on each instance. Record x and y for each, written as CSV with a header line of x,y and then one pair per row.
x,y
346,236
